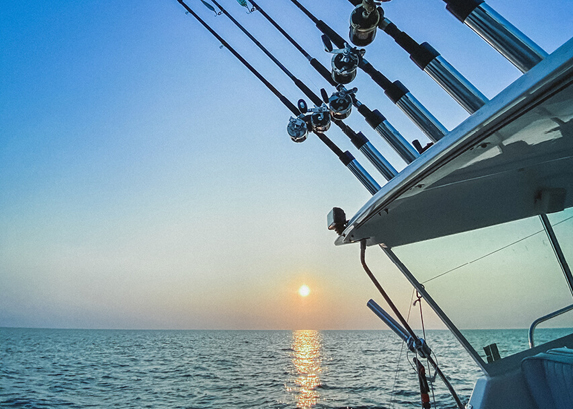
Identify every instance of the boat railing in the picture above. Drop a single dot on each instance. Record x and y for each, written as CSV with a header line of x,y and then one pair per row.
x,y
546,318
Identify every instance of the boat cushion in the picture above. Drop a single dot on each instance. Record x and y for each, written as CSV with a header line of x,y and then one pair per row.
x,y
549,376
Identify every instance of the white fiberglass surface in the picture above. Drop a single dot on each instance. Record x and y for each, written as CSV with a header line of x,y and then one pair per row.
x,y
500,277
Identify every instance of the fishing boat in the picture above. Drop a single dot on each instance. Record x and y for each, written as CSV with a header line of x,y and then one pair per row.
x,y
480,225
479,221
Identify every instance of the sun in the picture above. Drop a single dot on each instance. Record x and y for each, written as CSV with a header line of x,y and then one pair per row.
x,y
303,291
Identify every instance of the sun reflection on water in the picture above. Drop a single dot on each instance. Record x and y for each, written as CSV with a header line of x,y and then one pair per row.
x,y
306,359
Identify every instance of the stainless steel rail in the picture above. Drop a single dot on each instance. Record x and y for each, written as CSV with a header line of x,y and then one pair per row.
x,y
543,319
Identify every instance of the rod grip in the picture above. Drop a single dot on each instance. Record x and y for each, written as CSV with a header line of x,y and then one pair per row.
x,y
308,92
376,75
335,38
373,118
403,39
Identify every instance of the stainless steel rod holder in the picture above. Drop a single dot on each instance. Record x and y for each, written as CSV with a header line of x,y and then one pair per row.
x,y
364,177
397,141
388,320
379,161
505,38
543,319
422,117
455,84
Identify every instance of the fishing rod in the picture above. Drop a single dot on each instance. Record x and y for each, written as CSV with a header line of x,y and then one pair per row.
x,y
345,62
368,17
299,125
346,97
358,139
497,32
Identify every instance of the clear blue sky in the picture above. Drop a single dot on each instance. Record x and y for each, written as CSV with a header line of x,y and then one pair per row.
x,y
147,180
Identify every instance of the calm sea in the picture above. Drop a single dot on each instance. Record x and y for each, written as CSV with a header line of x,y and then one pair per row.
x,y
43,368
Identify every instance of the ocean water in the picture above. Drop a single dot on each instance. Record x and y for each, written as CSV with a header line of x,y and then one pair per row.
x,y
43,368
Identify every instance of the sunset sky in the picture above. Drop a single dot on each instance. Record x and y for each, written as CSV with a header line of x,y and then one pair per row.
x,y
147,179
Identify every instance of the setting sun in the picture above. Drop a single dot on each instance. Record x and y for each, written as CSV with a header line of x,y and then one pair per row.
x,y
304,290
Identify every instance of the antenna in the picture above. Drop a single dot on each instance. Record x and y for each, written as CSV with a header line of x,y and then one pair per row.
x,y
302,120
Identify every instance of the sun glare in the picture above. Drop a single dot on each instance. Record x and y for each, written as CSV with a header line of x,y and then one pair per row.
x,y
303,291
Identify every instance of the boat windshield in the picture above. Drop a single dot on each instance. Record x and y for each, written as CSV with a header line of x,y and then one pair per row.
x,y
494,282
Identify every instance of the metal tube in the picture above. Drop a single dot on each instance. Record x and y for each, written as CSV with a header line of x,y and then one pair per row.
x,y
557,250
545,318
379,162
367,181
422,117
505,38
388,320
397,141
455,84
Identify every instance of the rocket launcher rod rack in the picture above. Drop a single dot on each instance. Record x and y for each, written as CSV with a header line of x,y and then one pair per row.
x,y
345,157
395,91
358,139
374,118
364,22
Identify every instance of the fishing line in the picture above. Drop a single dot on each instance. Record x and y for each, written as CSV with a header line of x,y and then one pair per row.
x,y
493,252
405,324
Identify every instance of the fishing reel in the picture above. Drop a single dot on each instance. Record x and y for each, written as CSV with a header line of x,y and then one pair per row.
x,y
345,61
340,103
316,119
297,128
364,22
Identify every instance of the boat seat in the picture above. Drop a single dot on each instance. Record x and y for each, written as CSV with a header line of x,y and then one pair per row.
x,y
549,377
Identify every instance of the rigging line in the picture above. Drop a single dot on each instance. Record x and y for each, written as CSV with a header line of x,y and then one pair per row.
x,y
493,252
405,324
393,401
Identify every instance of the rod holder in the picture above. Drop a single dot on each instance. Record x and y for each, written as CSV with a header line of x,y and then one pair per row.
x,y
520,50
388,320
422,117
378,161
360,173
397,141
455,84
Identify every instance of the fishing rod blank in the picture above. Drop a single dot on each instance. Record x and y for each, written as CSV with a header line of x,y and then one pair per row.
x,y
345,157
367,17
358,139
347,59
497,32
374,118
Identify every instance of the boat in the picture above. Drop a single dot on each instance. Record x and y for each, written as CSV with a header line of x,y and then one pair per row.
x,y
481,226
479,221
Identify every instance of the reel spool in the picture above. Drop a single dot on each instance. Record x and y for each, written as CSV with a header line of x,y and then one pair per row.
x,y
297,129
344,62
320,119
364,21
340,103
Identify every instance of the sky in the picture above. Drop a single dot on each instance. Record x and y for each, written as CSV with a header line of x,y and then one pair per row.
x,y
147,180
